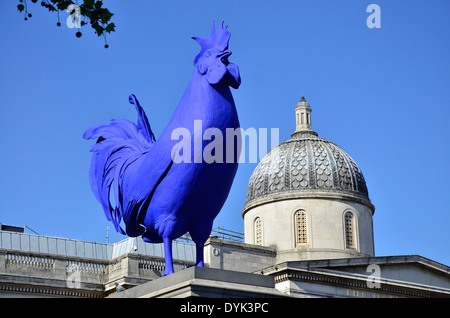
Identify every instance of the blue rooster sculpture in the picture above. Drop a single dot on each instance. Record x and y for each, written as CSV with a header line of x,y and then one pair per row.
x,y
160,198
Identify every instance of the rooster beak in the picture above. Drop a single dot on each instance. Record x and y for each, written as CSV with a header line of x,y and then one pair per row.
x,y
226,53
224,57
232,76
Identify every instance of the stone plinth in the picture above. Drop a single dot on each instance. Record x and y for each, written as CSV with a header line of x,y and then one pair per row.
x,y
205,282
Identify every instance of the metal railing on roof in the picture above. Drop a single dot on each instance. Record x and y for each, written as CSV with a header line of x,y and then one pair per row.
x,y
219,232
25,242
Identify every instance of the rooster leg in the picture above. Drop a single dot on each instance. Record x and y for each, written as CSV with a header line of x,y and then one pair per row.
x,y
168,269
199,256
200,233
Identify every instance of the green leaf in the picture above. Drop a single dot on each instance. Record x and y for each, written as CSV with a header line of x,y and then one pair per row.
x,y
106,16
98,29
63,5
89,4
98,4
110,27
20,7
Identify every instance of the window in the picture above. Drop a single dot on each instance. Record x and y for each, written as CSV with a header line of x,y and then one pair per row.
x,y
301,231
257,230
349,221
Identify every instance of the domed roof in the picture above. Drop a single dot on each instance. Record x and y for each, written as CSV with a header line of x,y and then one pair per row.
x,y
306,166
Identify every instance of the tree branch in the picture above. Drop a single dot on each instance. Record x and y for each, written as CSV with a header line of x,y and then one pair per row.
x,y
90,11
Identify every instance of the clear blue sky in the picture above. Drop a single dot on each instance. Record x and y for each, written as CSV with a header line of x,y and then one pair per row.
x,y
381,94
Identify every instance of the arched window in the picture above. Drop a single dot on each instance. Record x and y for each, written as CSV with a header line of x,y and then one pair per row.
x,y
349,220
301,228
257,231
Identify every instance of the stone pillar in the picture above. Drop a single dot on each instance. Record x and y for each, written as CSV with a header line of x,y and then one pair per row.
x,y
2,262
61,269
131,263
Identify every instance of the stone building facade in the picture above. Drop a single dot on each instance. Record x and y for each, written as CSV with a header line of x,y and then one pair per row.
x,y
233,269
308,233
38,265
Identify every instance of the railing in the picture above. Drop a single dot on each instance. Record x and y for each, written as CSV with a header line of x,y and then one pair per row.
x,y
221,233
31,261
228,235
88,267
151,265
54,245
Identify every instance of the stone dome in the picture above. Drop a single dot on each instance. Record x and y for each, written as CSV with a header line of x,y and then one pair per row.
x,y
306,166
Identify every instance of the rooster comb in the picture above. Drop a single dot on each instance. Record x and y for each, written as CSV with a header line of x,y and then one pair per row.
x,y
218,39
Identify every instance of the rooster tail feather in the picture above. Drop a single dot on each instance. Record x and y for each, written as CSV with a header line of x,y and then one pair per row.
x,y
117,144
143,123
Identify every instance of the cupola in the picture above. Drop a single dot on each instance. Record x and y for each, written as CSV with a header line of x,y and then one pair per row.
x,y
309,197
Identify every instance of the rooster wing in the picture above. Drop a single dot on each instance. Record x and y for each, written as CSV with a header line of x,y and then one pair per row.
x,y
117,156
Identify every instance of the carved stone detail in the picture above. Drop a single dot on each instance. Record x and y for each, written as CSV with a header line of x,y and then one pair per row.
x,y
306,162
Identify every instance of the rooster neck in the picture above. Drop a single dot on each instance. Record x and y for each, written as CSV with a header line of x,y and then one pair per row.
x,y
203,101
